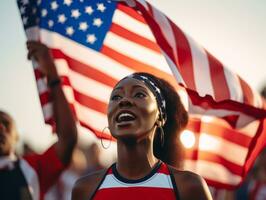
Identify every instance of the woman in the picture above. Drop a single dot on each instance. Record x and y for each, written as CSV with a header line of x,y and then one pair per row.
x,y
145,115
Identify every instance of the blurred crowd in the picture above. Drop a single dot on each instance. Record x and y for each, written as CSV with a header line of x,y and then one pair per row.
x,y
85,159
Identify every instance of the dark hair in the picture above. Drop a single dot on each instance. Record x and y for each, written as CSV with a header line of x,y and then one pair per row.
x,y
171,152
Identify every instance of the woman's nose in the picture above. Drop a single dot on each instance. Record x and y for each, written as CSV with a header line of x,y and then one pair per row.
x,y
125,102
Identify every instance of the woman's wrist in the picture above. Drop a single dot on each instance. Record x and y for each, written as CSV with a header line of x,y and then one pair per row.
x,y
53,82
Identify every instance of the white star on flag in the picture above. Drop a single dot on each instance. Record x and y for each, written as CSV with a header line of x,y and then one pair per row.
x,y
39,2
101,7
75,13
68,2
91,38
62,18
50,23
70,31
97,22
88,10
44,12
54,5
83,26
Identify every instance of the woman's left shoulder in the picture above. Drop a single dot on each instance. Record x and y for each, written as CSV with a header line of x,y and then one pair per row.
x,y
190,185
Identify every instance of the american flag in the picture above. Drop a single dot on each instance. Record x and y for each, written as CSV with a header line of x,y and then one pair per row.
x,y
96,43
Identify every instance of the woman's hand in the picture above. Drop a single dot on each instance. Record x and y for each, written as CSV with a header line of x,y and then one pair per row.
x,y
42,55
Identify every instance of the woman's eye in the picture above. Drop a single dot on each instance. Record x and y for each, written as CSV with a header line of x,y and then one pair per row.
x,y
115,97
140,95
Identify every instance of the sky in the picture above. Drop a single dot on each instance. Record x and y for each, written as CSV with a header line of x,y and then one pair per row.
x,y
232,30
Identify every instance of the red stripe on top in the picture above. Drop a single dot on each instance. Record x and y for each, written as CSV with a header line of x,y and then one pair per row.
x,y
229,134
247,92
131,12
220,87
138,39
185,64
134,193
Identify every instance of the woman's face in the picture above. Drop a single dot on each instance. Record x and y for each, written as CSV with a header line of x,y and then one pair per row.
x,y
132,110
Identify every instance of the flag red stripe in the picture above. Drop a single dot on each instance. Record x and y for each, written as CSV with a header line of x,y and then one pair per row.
x,y
247,92
85,69
221,185
185,64
220,87
229,105
136,65
232,135
86,100
44,98
98,134
38,74
208,156
138,39
134,14
90,102
258,142
156,29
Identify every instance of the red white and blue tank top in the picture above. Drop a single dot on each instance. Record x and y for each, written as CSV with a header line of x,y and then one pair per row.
x,y
158,184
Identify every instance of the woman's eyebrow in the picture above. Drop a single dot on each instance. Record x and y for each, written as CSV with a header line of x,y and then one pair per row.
x,y
117,88
139,86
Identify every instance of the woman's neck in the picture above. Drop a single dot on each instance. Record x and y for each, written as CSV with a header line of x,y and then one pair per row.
x,y
135,160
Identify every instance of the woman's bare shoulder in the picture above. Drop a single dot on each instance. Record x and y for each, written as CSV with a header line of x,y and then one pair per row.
x,y
191,185
87,185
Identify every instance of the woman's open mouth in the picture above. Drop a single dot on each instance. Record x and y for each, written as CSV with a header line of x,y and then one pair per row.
x,y
125,117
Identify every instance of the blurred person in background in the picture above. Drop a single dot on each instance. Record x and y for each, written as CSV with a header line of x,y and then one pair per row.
x,y
93,158
62,189
257,185
31,176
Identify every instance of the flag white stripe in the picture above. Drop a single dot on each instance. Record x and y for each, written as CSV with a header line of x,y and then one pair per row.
x,y
242,120
258,102
213,171
132,24
85,85
174,70
68,91
158,180
234,86
61,66
143,2
251,129
136,51
166,29
42,86
47,110
85,55
201,68
91,117
222,147
88,86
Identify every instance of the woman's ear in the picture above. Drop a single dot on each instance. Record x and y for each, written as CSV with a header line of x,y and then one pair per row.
x,y
159,122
